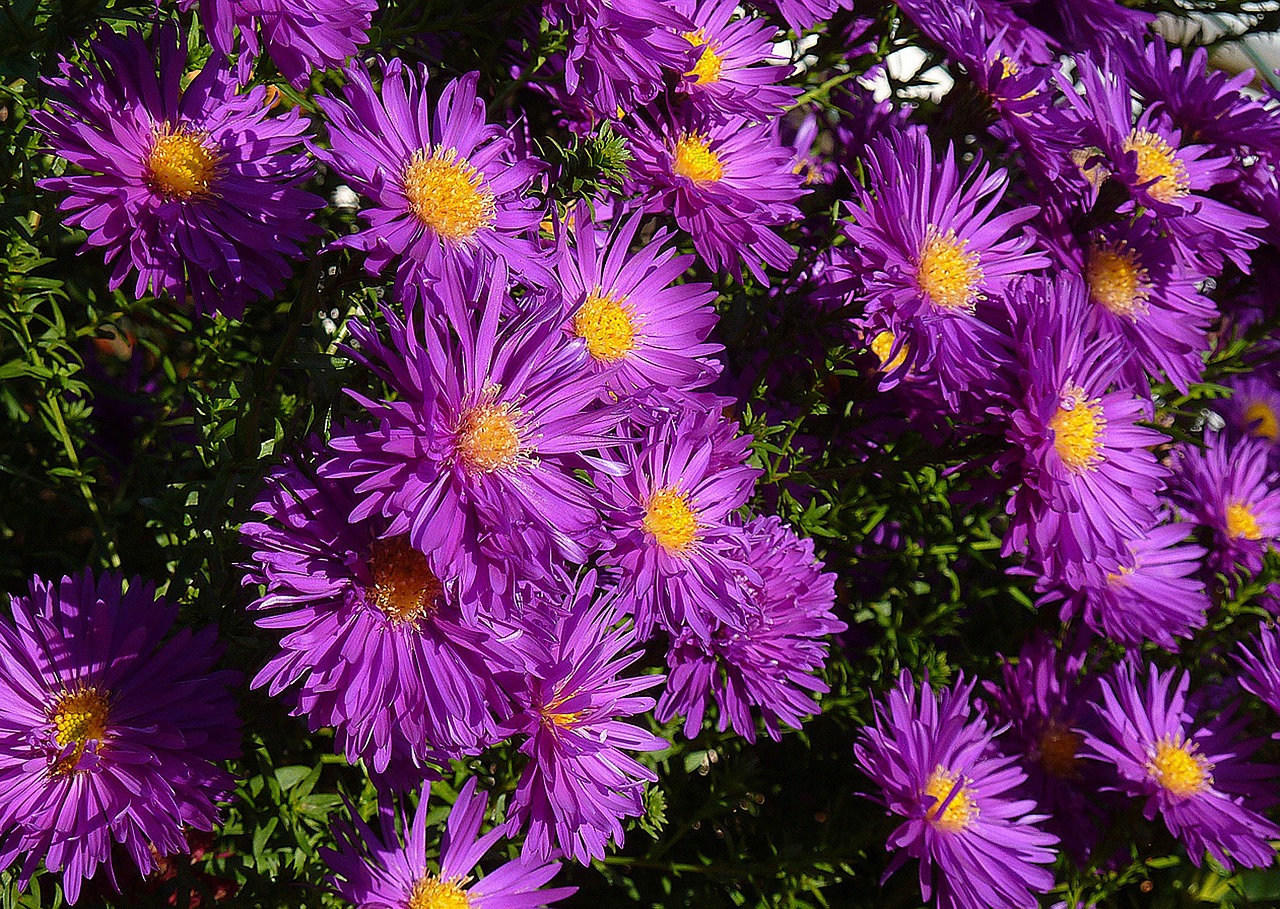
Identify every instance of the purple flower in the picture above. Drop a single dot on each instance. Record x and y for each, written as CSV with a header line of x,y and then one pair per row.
x,y
109,731
728,183
1254,407
1149,592
197,190
639,330
978,846
1162,173
936,256
300,35
580,781
801,15
619,53
668,521
1147,296
1262,668
446,186
376,642
373,869
1194,774
1088,483
475,459
1230,489
1044,698
769,662
729,74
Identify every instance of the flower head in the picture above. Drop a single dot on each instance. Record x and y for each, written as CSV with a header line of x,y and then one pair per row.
x,y
197,190
1262,668
978,845
299,35
769,662
374,868
113,730
1193,773
580,781
446,186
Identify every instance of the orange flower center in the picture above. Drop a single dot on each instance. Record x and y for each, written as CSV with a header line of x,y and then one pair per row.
x,y
947,272
606,325
79,717
432,893
1178,768
405,589
181,165
671,521
694,159
1158,161
1077,427
488,438
960,812
447,195
1117,280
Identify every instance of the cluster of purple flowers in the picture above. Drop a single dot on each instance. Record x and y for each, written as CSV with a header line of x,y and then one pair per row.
x,y
553,488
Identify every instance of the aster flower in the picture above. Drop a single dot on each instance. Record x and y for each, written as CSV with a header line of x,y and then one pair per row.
x,y
112,730
729,73
193,191
1045,698
475,459
1262,668
1147,296
1206,104
1230,489
1150,591
728,183
1088,483
934,253
667,517
299,36
978,845
1195,774
1161,172
801,15
639,330
618,56
373,869
446,187
376,643
769,663
580,781
1254,407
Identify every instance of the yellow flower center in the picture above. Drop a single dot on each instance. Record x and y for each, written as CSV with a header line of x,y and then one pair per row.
x,y
1242,523
405,588
181,165
960,812
1117,280
694,159
553,715
1158,159
1178,768
882,347
432,893
79,717
671,521
707,69
446,194
1076,429
1261,420
607,327
1096,173
948,273
488,438
1058,749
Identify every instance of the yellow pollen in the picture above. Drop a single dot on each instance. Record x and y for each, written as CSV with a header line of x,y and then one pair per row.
x,y
947,272
432,893
1097,174
1058,749
1262,421
1242,523
882,346
552,714
1117,280
79,717
961,811
181,165
488,438
606,324
1178,768
671,521
707,69
446,194
694,159
1007,67
405,588
1158,159
1120,577
1076,428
